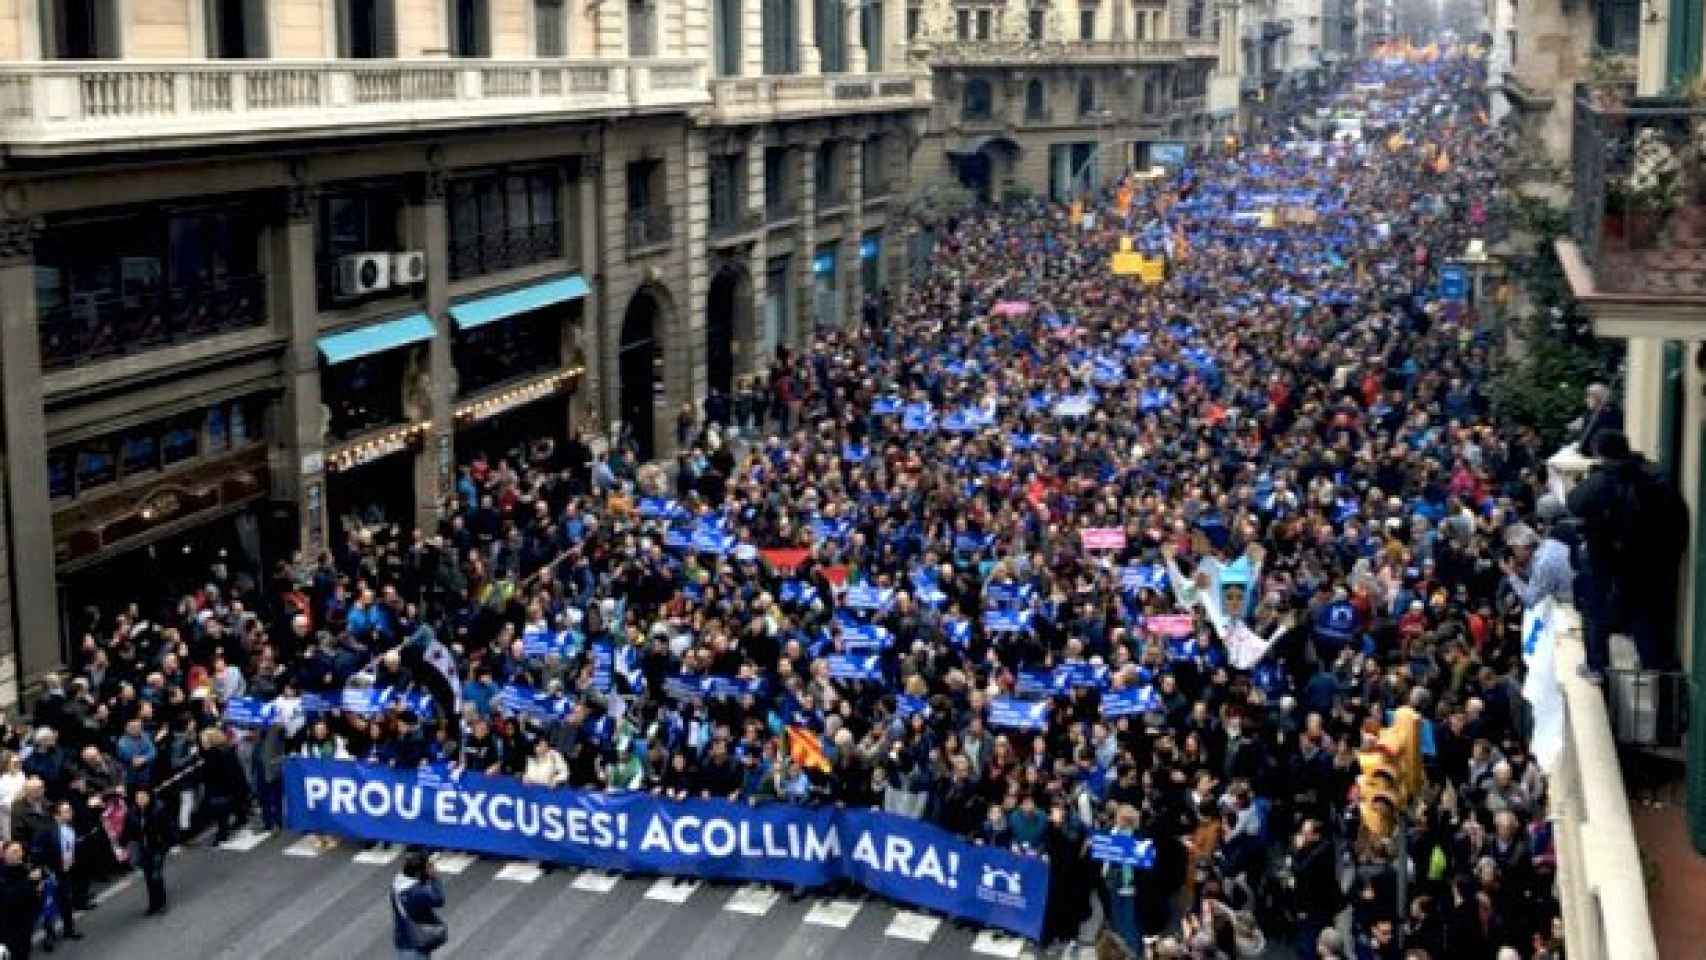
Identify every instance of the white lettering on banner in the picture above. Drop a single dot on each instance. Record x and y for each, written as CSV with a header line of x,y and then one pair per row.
x,y
526,818
822,848
343,797
315,789
499,820
553,820
898,858
719,838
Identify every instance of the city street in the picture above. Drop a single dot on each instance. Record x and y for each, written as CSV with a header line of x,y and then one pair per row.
x,y
280,898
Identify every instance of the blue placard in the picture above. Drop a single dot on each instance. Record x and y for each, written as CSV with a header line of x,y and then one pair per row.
x,y
1008,713
1122,849
846,667
1129,702
1454,282
634,832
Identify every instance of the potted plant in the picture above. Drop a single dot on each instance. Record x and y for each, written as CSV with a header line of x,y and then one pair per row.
x,y
1654,188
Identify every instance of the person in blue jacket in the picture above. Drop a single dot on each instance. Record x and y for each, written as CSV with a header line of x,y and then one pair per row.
x,y
416,896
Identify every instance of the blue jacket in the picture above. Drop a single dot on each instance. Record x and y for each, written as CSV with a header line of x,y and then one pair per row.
x,y
420,900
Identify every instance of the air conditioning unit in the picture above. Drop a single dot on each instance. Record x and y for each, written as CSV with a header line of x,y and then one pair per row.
x,y
408,267
363,273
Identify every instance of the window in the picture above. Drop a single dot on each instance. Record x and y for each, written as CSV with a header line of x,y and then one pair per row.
x,y
985,19
356,218
727,48
913,15
781,36
1618,25
470,29
1036,101
1149,96
367,29
642,25
510,349
871,33
831,190
134,278
1087,24
79,29
1194,20
873,178
648,213
87,465
831,26
550,29
236,29
1510,40
962,24
1119,20
1036,23
1086,97
1142,23
977,103
778,183
500,220
726,172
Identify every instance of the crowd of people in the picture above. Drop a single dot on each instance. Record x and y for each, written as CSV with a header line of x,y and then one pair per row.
x,y
1286,440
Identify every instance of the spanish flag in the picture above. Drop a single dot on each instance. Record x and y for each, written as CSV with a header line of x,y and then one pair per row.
x,y
805,750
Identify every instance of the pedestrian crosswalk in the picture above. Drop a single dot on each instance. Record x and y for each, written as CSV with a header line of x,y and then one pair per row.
x,y
507,908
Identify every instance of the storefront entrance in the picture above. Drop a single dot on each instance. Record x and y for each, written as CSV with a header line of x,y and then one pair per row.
x,y
223,552
640,368
728,327
372,495
515,435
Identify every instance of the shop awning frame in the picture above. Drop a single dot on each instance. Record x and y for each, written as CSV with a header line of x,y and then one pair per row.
x,y
377,338
501,306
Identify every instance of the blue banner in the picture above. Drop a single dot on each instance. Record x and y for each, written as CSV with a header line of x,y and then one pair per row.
x,y
1130,702
1010,714
889,855
845,667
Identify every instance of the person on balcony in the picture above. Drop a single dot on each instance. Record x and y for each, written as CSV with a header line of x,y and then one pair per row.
x,y
1635,525
1539,563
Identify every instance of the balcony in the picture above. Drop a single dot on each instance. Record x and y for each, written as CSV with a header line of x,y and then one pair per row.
x,y
485,253
648,229
1034,52
60,108
1636,257
92,328
757,98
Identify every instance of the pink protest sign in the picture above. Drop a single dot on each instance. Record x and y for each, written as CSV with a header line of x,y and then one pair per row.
x,y
1171,625
1103,538
1011,308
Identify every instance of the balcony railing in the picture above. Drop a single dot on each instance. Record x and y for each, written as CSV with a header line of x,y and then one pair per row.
x,y
1638,211
800,93
485,253
648,227
1077,51
66,106
92,327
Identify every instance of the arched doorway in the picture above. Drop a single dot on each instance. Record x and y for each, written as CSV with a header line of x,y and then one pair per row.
x,y
640,369
985,164
728,328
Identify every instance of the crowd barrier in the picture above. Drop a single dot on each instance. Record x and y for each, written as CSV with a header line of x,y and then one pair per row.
x,y
889,855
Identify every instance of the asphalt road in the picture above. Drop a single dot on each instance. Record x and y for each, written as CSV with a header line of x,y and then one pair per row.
x,y
276,897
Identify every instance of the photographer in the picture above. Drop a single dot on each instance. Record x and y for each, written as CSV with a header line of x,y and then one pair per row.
x,y
416,896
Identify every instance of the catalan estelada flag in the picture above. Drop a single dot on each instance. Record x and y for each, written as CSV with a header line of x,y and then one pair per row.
x,y
805,749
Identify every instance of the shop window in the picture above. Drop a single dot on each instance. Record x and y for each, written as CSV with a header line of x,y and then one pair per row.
x,y
131,280
511,349
500,220
357,219
89,465
361,395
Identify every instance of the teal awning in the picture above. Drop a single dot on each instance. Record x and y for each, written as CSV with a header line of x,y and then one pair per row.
x,y
502,306
376,338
